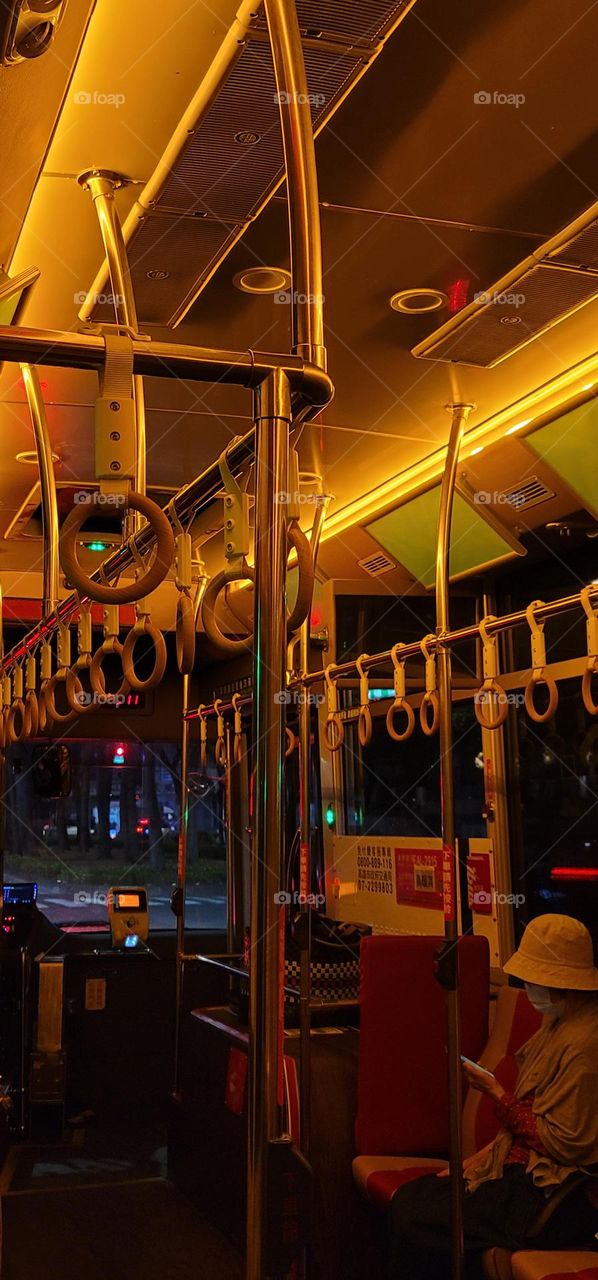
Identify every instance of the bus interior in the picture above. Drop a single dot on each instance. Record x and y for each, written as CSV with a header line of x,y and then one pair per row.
x,y
298,719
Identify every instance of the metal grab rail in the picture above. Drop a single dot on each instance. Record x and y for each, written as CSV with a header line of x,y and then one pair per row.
x,y
347,670
448,966
310,384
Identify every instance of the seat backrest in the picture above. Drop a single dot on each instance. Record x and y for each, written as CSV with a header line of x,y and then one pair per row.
x,y
515,1021
402,1093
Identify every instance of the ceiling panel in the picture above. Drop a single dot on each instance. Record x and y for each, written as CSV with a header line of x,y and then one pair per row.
x,y
409,534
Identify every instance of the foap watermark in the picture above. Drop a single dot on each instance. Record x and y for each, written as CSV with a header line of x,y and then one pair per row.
x,y
490,698
483,898
285,296
83,98
484,98
314,99
296,899
95,899
298,698
304,499
488,497
102,700
499,299
98,299
98,499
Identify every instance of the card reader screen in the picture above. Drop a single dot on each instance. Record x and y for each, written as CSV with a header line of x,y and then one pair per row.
x,y
128,902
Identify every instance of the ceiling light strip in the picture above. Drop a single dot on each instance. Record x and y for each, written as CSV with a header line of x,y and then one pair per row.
x,y
514,418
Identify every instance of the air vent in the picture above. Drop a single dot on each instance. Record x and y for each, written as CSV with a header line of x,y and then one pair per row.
x,y
560,276
377,564
529,493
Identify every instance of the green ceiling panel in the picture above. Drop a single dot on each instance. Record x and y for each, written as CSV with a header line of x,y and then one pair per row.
x,y
570,447
409,534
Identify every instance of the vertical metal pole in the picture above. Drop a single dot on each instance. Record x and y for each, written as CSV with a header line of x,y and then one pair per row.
x,y
305,859
102,186
460,414
2,773
493,744
47,479
181,882
302,181
272,417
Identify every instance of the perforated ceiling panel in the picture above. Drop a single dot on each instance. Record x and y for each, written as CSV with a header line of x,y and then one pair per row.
x,y
160,254
222,173
233,159
540,297
559,277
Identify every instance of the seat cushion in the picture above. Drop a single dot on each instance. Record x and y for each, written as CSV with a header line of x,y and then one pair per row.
x,y
568,1265
378,1177
496,1264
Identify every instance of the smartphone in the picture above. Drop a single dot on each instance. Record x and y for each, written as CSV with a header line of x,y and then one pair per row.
x,y
468,1062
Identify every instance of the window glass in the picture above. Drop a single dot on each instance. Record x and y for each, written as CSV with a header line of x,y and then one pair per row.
x,y
554,807
393,788
118,824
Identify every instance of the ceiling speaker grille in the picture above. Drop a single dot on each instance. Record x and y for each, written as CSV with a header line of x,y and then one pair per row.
x,y
228,178
582,250
528,493
493,331
377,564
169,244
556,279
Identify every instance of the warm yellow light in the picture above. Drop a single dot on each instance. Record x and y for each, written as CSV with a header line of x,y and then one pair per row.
x,y
478,449
567,385
518,426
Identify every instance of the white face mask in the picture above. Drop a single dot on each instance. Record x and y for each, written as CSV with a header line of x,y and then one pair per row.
x,y
539,997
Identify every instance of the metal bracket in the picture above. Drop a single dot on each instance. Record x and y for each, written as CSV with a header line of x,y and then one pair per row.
x,y
115,422
236,513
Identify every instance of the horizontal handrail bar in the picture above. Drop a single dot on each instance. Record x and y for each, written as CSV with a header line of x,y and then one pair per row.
x,y
507,622
165,360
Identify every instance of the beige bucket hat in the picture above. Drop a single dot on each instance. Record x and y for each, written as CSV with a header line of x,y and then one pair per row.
x,y
555,951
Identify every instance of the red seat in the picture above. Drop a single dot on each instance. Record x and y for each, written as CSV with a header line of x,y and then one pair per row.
x,y
402,1091
379,1176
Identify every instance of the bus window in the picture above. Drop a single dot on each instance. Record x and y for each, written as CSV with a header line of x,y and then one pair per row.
x,y
119,824
553,809
392,788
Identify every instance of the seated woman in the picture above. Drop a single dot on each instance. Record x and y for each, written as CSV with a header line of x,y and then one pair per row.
x,y
549,1124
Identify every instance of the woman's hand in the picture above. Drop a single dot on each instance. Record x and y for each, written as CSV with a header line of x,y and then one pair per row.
x,y
484,1081
470,1162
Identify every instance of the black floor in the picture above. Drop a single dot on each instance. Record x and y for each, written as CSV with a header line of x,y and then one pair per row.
x,y
100,1213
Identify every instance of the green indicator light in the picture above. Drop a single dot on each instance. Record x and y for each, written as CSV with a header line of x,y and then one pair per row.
x,y
330,816
96,546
